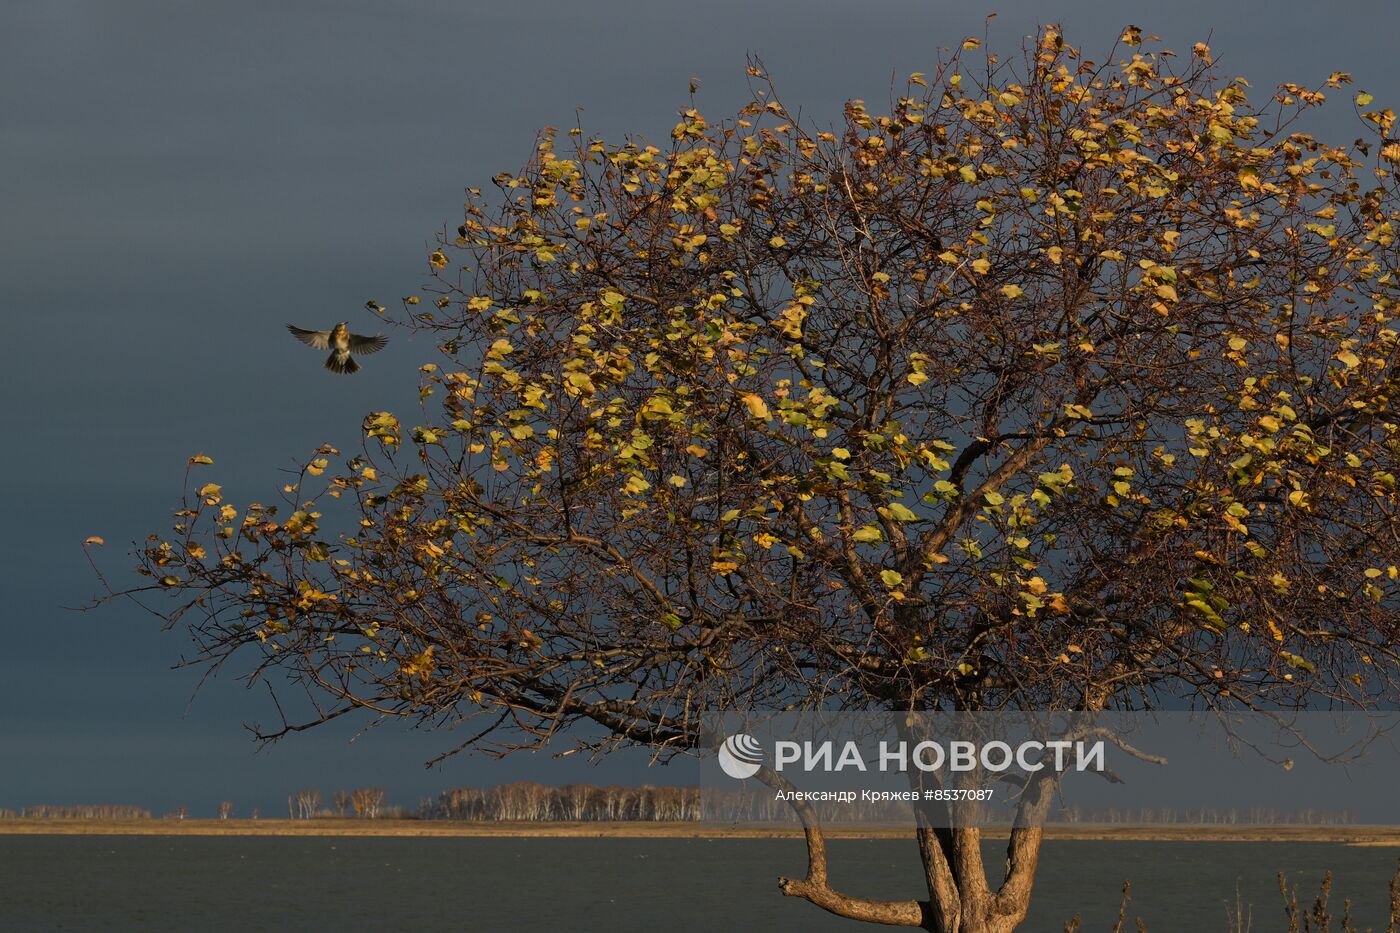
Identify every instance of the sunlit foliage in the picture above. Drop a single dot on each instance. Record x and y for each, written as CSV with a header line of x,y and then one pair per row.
x,y
1056,384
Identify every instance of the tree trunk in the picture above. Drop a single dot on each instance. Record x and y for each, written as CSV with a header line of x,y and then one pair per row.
x,y
959,898
960,901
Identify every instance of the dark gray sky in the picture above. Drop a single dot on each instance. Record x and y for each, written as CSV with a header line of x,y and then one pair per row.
x,y
177,180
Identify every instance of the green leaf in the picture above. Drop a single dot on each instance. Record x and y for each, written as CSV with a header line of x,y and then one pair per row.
x,y
1299,662
901,513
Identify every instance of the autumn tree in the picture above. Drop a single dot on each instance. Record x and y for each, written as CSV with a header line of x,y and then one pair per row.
x,y
367,801
1061,383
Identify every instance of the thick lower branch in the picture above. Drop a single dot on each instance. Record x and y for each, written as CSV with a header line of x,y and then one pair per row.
x,y
817,890
891,913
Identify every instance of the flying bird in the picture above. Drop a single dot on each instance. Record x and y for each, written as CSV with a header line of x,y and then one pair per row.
x,y
341,343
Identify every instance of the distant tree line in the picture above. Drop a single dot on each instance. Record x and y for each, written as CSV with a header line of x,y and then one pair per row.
x,y
528,800
98,811
1198,816
364,802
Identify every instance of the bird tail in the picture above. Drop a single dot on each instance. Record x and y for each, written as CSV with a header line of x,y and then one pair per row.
x,y
342,362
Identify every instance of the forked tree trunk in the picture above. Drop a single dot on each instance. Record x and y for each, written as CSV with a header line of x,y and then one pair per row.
x,y
959,898
959,901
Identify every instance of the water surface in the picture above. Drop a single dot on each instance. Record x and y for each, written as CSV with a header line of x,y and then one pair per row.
x,y
184,884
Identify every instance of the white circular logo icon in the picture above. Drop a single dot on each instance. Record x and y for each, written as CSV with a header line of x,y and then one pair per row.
x,y
741,756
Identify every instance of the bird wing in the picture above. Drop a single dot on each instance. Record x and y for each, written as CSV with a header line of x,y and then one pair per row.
x,y
366,345
320,339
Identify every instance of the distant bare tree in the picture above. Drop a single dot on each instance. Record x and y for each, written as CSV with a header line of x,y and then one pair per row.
x,y
576,801
341,799
225,809
308,801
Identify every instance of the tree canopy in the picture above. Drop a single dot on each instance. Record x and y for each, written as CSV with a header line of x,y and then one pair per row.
x,y
1060,384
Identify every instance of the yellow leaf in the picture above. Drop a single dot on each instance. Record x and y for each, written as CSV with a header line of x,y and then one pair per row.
x,y
981,266
201,460
94,539
757,407
1012,291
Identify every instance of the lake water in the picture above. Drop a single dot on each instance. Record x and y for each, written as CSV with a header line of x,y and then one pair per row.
x,y
189,884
